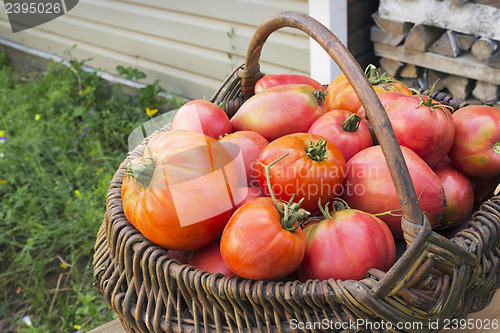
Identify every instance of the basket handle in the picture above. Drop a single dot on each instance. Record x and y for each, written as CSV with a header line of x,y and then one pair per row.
x,y
365,92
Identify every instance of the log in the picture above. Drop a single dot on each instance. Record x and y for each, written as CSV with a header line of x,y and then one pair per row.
x,y
409,71
396,27
494,60
486,92
458,86
483,48
390,66
421,37
386,37
435,77
465,41
466,65
446,45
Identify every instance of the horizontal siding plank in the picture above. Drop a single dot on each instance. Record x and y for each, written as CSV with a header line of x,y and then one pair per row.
x,y
178,80
203,32
184,44
245,12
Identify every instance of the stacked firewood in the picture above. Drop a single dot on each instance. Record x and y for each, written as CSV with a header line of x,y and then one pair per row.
x,y
464,65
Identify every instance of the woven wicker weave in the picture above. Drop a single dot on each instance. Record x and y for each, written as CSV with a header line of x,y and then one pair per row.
x,y
436,278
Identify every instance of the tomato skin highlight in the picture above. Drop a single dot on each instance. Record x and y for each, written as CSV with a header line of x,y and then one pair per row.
x,y
255,246
187,173
476,149
276,111
459,196
346,246
203,117
369,187
272,80
298,174
329,126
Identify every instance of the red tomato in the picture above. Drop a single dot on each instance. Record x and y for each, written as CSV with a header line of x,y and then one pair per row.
x,y
424,126
386,100
279,111
272,80
209,259
251,145
458,193
476,149
202,117
179,194
346,130
255,245
313,170
369,187
246,194
341,95
181,256
345,245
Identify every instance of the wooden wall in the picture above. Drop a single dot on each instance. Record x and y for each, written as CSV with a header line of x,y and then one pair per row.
x,y
189,45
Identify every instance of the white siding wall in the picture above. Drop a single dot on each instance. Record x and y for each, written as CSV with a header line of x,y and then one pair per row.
x,y
184,43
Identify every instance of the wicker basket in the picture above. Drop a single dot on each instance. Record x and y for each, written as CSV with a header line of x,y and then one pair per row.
x,y
436,278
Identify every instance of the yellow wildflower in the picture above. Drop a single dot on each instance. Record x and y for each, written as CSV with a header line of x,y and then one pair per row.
x,y
150,112
78,193
37,117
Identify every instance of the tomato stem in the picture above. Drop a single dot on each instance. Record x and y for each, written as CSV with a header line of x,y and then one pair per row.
x,y
430,103
320,96
496,147
142,172
317,150
352,122
291,215
375,78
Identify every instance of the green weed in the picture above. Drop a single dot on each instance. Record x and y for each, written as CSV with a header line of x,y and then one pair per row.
x,y
63,134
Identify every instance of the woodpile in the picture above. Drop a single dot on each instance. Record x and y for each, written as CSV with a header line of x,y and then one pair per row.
x,y
420,54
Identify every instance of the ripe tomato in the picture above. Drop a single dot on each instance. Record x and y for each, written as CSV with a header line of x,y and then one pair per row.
x,y
203,117
386,100
180,172
246,194
345,245
346,130
476,149
181,256
256,245
251,145
209,259
458,193
272,80
423,125
341,95
313,170
369,187
280,110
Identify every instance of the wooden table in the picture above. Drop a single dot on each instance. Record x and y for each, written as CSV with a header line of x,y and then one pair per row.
x,y
492,311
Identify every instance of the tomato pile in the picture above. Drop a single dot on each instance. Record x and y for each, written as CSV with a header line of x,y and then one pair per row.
x,y
295,185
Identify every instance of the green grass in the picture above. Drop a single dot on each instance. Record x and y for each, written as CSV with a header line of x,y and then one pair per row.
x,y
63,133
